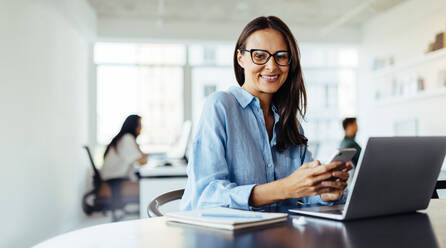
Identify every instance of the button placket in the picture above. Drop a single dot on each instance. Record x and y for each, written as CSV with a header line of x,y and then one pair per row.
x,y
265,141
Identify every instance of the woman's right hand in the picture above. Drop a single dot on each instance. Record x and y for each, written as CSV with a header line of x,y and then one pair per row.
x,y
306,180
142,160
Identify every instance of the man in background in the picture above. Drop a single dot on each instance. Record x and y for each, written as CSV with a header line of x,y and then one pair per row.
x,y
351,128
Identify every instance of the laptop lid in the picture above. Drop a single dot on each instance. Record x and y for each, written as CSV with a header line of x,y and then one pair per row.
x,y
395,175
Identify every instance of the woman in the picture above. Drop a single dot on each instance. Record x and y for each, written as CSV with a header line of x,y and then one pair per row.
x,y
123,152
250,151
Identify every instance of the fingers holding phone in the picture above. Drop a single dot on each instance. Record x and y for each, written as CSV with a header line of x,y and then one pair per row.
x,y
337,183
345,156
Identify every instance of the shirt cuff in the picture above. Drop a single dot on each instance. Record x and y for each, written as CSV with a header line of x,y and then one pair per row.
x,y
325,203
316,200
240,196
341,200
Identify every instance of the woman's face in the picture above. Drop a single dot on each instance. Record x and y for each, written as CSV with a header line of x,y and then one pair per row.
x,y
269,77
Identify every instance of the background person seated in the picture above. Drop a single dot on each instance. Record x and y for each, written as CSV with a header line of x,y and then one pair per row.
x,y
351,128
121,157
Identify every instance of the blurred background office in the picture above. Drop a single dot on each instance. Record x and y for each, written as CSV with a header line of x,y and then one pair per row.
x,y
72,70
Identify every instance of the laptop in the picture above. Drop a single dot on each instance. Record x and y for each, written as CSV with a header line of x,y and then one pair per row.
x,y
394,175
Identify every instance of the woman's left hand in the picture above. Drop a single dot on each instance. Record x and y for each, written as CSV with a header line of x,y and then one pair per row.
x,y
338,183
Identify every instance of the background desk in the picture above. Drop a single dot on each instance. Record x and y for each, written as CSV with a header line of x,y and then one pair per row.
x,y
412,230
158,180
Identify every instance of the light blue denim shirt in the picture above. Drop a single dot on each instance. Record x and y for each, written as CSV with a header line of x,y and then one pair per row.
x,y
232,153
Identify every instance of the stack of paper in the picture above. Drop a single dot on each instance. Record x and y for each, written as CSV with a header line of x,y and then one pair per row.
x,y
226,218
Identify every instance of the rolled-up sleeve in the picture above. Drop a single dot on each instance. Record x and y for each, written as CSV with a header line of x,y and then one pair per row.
x,y
208,183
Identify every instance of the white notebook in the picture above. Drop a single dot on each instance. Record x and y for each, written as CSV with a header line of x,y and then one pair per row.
x,y
226,218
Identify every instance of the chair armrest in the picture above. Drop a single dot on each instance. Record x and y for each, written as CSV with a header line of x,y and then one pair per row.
x,y
152,208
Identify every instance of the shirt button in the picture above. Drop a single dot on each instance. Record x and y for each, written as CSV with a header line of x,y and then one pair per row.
x,y
269,165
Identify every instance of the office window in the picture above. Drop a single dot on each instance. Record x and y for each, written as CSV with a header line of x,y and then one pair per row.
x,y
330,79
139,54
143,79
205,81
211,69
211,54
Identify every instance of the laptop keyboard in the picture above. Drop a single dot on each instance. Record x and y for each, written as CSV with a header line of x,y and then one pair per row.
x,y
336,209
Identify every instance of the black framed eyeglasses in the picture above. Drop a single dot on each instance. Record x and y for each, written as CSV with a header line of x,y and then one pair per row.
x,y
261,57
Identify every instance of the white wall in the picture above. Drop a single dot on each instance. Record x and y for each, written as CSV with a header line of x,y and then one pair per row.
x,y
45,61
403,32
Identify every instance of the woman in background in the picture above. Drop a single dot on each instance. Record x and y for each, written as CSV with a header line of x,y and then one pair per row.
x,y
123,153
122,156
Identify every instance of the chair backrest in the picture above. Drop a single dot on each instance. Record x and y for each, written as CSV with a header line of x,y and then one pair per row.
x,y
441,184
153,208
97,179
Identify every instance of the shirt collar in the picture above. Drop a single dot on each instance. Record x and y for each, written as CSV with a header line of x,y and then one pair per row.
x,y
243,97
349,138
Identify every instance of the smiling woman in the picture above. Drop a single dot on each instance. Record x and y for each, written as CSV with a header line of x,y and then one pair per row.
x,y
264,76
250,151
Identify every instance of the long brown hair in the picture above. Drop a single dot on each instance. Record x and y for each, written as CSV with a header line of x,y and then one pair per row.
x,y
291,98
130,125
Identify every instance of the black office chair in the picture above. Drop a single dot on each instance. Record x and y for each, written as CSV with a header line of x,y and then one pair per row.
x,y
106,195
153,207
441,184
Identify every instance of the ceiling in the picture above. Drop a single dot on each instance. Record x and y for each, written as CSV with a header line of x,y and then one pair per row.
x,y
328,14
